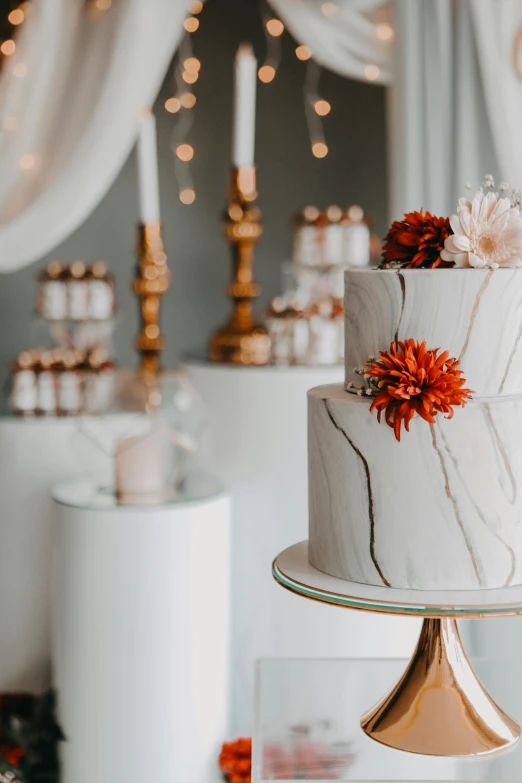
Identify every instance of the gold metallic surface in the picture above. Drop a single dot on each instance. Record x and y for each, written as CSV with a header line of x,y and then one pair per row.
x,y
151,282
439,707
242,340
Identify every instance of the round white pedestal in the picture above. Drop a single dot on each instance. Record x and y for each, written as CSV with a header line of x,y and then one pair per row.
x,y
141,637
259,447
34,455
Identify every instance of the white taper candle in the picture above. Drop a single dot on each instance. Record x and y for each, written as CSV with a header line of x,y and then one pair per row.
x,y
147,153
244,107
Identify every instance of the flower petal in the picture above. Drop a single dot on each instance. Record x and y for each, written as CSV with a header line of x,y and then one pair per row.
x,y
461,259
455,222
460,242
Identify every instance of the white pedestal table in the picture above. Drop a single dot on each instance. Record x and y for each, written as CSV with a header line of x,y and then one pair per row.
x,y
141,634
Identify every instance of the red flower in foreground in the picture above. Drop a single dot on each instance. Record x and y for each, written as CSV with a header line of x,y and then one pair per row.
x,y
12,754
417,240
411,379
235,761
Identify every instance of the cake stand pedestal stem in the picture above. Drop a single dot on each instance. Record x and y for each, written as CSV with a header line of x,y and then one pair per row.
x,y
439,707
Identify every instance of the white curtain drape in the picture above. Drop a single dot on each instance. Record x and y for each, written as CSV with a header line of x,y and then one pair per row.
x,y
345,42
455,91
70,101
498,35
439,128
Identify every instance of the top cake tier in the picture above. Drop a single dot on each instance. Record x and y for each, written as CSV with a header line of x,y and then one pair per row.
x,y
475,314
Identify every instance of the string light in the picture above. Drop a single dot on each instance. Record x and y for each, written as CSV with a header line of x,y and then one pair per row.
x,y
8,47
384,31
303,52
275,27
329,9
103,5
322,107
266,73
27,162
195,6
315,108
173,105
186,71
372,72
185,152
319,149
188,100
192,65
190,78
191,24
187,196
16,17
20,70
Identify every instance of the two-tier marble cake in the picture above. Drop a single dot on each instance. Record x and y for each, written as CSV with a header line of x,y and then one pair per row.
x,y
442,508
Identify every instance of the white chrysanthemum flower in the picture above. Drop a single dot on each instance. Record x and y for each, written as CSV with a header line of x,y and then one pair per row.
x,y
486,232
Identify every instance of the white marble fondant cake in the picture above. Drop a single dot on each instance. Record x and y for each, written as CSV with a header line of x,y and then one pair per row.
x,y
442,508
475,314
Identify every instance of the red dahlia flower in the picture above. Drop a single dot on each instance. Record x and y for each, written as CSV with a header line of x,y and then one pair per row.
x,y
417,241
412,379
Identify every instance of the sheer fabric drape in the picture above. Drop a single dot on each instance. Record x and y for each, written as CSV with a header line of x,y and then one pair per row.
x,y
69,122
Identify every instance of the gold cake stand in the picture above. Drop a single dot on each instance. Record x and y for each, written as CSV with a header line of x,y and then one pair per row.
x,y
439,707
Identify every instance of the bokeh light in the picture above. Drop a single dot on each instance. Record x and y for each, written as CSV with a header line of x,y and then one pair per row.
x,y
303,52
372,72
319,149
187,196
173,105
185,152
322,107
275,27
266,73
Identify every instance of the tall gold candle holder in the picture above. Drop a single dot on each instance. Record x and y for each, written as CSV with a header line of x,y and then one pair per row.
x,y
150,284
242,340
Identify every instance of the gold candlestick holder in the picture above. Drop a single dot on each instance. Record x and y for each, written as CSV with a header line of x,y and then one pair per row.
x,y
150,284
242,340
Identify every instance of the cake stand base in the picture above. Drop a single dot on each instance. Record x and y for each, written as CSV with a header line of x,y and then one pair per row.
x,y
439,707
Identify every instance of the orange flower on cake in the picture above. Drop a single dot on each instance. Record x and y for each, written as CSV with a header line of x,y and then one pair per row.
x,y
235,761
417,241
410,379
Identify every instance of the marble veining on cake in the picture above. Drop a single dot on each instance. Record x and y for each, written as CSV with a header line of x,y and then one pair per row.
x,y
415,464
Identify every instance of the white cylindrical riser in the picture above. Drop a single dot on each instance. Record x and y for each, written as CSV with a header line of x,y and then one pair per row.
x,y
475,314
140,641
34,455
441,510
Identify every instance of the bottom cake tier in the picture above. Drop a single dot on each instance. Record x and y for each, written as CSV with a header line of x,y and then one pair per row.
x,y
441,509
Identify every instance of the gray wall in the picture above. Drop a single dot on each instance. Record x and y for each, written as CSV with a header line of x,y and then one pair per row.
x,y
289,178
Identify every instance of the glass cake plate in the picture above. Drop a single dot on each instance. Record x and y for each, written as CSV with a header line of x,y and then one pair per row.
x,y
293,571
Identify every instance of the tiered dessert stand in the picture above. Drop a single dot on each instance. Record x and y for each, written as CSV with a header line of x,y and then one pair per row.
x,y
438,707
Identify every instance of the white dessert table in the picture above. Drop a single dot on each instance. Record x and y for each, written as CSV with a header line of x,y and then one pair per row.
x,y
307,719
35,453
141,610
258,446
